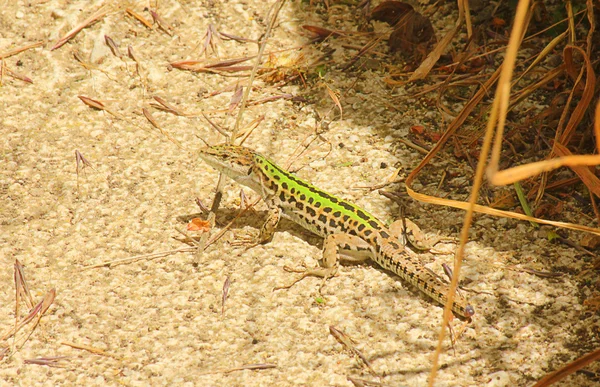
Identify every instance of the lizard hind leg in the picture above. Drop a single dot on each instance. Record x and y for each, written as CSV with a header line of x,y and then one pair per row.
x,y
348,247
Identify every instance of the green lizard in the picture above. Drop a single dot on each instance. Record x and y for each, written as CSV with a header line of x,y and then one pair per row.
x,y
348,230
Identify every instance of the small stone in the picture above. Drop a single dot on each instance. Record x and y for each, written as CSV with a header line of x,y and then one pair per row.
x,y
97,133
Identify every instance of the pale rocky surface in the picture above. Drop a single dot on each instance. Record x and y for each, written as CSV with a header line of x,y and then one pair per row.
x,y
160,320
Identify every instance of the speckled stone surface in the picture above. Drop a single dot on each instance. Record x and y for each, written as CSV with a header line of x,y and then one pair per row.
x,y
159,321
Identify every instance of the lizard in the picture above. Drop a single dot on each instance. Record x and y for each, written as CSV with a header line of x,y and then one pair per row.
x,y
348,230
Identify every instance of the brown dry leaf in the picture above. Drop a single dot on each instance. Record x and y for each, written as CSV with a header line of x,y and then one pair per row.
x,y
413,33
417,129
590,241
320,33
391,12
504,199
414,36
198,224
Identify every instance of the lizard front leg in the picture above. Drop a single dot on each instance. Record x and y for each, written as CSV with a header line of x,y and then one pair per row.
x,y
268,228
266,231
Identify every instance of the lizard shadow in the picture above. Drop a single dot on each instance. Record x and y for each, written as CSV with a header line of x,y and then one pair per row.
x,y
254,219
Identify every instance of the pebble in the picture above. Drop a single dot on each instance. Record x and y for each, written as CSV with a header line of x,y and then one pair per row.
x,y
97,133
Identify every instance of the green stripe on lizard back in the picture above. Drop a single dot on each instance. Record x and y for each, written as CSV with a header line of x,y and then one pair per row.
x,y
327,213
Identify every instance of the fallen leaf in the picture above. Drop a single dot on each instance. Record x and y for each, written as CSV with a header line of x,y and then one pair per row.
x,y
391,12
198,224
417,129
413,33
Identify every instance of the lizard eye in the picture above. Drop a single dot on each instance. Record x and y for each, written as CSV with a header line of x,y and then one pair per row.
x,y
249,171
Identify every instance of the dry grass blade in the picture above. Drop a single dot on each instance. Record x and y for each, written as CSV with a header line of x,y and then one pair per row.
x,y
236,98
216,127
522,172
335,99
21,284
99,105
568,369
36,311
426,66
236,38
348,343
96,16
588,91
261,366
162,24
226,285
154,123
586,175
203,66
21,323
14,74
148,257
113,46
167,107
81,163
94,350
542,274
364,382
51,361
218,235
275,98
500,106
139,17
131,53
247,131
211,39
48,300
274,10
92,102
543,54
464,4
592,20
498,213
150,118
15,51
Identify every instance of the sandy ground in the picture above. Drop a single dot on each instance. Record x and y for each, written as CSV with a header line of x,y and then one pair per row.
x,y
160,321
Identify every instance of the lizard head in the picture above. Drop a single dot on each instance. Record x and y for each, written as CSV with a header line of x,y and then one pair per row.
x,y
237,162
